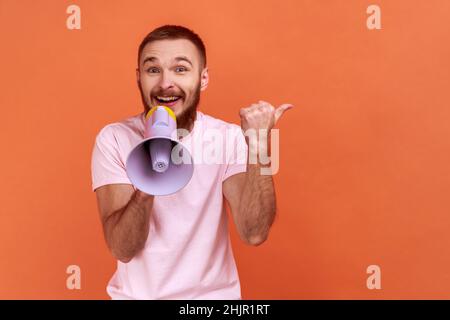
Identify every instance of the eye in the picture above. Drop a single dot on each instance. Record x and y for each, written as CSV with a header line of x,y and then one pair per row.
x,y
153,70
180,69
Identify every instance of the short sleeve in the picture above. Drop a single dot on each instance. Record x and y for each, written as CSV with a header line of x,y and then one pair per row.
x,y
106,164
237,162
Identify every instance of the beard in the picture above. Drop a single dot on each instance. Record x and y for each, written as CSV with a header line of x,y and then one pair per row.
x,y
186,119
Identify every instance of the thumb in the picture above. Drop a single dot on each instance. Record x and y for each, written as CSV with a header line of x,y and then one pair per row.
x,y
281,109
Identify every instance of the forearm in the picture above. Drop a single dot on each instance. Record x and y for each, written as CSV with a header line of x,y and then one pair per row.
x,y
257,205
127,229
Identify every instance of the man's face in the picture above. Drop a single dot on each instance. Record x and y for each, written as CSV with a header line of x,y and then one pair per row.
x,y
171,73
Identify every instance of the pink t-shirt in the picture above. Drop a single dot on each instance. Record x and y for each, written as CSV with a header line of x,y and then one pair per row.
x,y
188,253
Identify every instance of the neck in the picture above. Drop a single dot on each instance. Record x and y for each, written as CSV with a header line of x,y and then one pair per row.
x,y
186,119
190,125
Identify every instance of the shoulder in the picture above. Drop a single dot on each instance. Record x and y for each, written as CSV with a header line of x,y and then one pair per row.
x,y
112,133
231,134
211,122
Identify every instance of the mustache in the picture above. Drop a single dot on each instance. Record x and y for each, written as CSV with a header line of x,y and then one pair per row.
x,y
167,93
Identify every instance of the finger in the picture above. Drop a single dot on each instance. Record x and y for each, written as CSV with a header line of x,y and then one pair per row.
x,y
264,104
281,109
244,111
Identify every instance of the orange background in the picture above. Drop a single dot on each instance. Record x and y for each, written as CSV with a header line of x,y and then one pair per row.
x,y
364,175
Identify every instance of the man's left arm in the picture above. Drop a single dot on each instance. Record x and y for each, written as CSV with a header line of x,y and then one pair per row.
x,y
251,195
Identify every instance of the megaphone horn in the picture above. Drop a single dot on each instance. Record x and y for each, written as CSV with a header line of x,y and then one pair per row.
x,y
150,166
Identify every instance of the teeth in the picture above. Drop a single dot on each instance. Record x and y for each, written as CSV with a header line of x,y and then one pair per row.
x,y
167,99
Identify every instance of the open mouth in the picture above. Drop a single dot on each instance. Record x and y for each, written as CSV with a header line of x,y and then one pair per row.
x,y
168,101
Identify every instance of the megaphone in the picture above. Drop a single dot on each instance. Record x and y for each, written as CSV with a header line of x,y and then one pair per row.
x,y
159,164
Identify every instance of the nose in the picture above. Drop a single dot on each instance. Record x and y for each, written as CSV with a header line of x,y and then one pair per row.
x,y
165,81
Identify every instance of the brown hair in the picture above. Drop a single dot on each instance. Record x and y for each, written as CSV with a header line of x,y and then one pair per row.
x,y
172,32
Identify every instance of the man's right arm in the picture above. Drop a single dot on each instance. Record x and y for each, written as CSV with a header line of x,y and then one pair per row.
x,y
125,215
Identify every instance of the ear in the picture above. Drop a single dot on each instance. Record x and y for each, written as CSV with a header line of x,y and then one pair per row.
x,y
204,79
138,75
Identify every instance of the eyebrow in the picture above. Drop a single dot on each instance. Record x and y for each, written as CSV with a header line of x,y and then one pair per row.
x,y
180,58
183,58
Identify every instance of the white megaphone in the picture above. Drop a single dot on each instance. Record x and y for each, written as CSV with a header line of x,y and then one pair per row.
x,y
159,164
